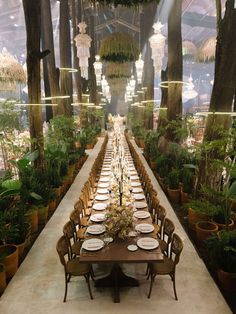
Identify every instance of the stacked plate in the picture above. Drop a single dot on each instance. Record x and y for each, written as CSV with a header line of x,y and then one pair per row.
x,y
139,197
99,206
140,205
137,190
105,173
93,244
101,197
102,191
135,184
144,228
96,229
134,177
147,243
98,217
141,214
104,179
103,185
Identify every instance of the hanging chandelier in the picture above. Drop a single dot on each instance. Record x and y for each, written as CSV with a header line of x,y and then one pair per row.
x,y
83,43
157,43
98,69
189,91
139,69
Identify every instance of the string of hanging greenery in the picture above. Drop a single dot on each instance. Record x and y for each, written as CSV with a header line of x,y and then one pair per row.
x,y
119,47
125,3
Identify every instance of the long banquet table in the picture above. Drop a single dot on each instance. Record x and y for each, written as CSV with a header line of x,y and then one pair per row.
x,y
116,252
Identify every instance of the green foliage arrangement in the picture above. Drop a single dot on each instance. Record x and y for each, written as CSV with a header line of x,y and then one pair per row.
x,y
125,3
119,47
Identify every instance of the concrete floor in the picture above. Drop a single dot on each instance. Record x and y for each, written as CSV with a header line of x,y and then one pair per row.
x,y
38,286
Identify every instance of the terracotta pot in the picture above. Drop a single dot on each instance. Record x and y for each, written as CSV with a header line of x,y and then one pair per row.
x,y
153,165
227,280
71,170
194,217
77,144
52,205
184,197
174,195
2,278
32,218
11,260
58,191
141,143
42,215
222,226
204,229
89,146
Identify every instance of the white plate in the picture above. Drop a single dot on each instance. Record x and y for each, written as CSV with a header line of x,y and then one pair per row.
x,y
105,173
93,244
103,185
133,173
139,197
96,229
105,179
141,214
103,191
134,177
144,228
137,190
135,184
107,168
99,206
132,247
98,217
101,197
140,205
131,168
147,243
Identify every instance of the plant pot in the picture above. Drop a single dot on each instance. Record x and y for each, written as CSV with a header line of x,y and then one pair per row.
x,y
174,195
20,248
32,218
52,205
77,144
223,226
227,280
184,197
57,191
42,215
10,260
2,278
90,146
71,170
141,143
204,229
153,165
194,217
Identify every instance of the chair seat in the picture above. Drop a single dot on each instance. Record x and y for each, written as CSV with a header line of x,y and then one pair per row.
x,y
76,247
164,268
80,233
75,268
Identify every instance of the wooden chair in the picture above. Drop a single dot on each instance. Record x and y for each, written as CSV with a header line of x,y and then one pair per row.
x,y
158,219
76,220
72,266
74,242
168,266
165,239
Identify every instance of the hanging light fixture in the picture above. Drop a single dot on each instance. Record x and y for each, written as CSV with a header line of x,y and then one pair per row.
x,y
157,43
139,69
189,91
83,43
98,69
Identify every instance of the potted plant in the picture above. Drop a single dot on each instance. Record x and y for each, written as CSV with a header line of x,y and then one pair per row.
x,y
164,164
2,278
187,183
173,186
151,150
222,252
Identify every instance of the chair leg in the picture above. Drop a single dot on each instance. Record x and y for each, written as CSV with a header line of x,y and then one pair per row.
x,y
174,286
88,283
66,284
92,273
147,270
151,284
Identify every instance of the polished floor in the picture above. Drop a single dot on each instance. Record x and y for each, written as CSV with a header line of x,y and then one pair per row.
x,y
38,286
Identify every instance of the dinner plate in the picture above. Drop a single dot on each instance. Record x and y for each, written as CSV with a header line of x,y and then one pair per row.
x,y
137,190
147,243
132,247
98,217
140,205
96,229
133,173
135,184
93,244
105,179
105,173
141,214
139,197
103,185
107,168
134,177
101,197
103,191
99,206
131,168
144,228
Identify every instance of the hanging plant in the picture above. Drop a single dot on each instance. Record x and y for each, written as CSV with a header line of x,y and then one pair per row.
x,y
116,70
117,86
119,47
125,3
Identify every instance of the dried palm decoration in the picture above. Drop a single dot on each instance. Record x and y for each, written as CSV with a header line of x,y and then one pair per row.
x,y
116,70
119,47
189,49
117,86
206,52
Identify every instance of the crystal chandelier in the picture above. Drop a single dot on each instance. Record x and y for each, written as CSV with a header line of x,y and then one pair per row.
x,y
98,69
157,43
190,92
83,43
139,69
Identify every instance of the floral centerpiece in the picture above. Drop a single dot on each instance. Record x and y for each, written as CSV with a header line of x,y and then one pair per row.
x,y
119,220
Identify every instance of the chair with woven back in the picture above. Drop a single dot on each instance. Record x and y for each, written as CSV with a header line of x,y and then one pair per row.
x,y
158,219
74,242
76,220
168,266
72,266
166,237
79,205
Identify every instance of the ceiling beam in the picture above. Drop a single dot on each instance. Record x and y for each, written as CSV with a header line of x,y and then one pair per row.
x,y
199,20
